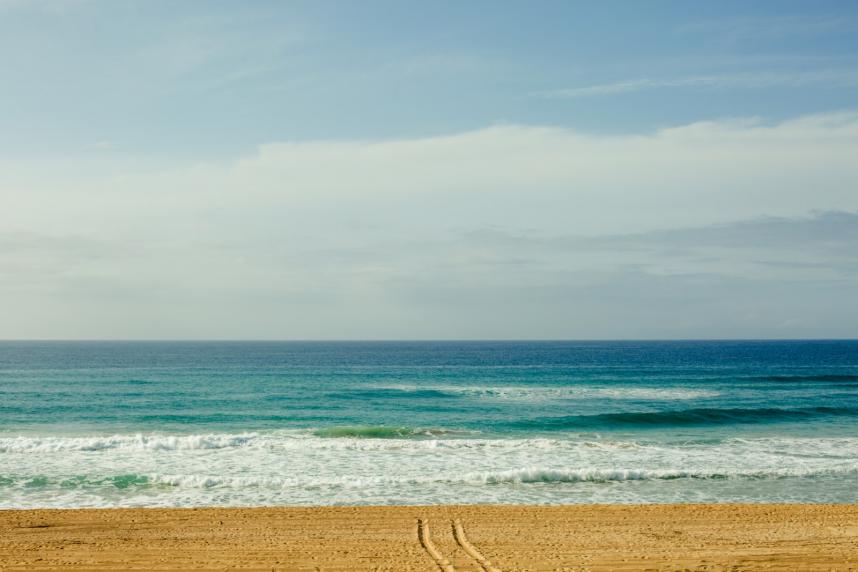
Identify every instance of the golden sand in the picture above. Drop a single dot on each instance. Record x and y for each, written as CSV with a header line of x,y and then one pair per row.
x,y
451,538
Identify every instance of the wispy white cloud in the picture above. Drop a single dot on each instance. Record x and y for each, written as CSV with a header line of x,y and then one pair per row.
x,y
434,237
716,81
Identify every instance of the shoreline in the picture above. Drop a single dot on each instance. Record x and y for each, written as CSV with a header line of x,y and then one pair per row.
x,y
464,537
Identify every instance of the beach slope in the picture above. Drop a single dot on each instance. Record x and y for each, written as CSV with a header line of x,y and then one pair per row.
x,y
460,538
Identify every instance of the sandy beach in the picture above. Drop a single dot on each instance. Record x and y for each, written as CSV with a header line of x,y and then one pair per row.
x,y
460,538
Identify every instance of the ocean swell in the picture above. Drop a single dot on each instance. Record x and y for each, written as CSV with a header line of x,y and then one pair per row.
x,y
683,417
825,377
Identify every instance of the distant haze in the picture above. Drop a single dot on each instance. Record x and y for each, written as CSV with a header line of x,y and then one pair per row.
x,y
326,171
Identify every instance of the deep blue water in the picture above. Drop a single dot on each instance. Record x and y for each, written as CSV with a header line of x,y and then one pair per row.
x,y
200,423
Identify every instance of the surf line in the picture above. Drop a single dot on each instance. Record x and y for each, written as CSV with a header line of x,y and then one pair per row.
x,y
470,549
426,542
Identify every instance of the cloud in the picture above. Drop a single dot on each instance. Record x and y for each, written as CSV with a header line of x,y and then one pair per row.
x,y
508,231
750,80
513,176
813,247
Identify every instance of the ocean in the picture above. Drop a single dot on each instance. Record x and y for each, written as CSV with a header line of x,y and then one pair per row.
x,y
185,424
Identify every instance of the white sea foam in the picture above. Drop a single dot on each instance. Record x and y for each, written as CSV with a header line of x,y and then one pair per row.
x,y
283,440
542,475
511,476
306,440
297,467
138,442
525,393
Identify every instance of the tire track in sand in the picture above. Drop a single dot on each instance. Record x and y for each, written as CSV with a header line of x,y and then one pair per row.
x,y
425,539
470,549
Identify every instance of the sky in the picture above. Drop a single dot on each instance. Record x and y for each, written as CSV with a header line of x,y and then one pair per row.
x,y
428,170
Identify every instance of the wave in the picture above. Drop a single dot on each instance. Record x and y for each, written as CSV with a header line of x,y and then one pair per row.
x,y
684,417
396,393
122,481
385,438
298,442
523,475
379,432
526,475
829,377
138,442
539,475
530,393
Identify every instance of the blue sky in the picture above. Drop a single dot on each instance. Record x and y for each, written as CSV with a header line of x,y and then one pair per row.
x,y
428,170
222,77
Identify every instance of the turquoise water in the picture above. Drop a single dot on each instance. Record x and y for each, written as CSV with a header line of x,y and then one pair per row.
x,y
197,424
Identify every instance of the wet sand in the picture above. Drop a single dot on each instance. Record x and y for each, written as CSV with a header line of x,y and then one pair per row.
x,y
451,538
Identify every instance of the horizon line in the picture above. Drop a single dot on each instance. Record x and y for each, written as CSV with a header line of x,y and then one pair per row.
x,y
419,340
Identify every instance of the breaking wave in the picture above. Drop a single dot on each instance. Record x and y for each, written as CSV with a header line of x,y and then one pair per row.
x,y
524,475
534,393
138,442
378,432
